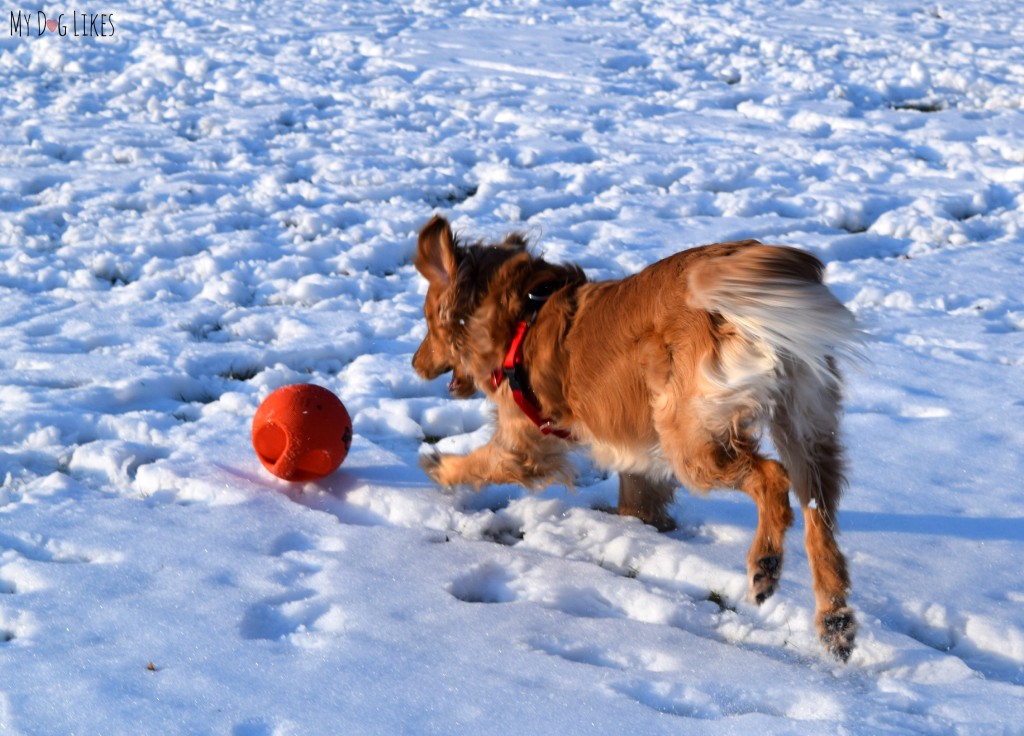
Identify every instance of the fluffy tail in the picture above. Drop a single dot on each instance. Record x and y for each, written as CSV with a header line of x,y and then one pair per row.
x,y
774,295
777,361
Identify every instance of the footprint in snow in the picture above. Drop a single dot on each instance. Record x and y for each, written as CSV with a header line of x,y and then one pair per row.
x,y
254,727
40,549
487,583
299,610
579,653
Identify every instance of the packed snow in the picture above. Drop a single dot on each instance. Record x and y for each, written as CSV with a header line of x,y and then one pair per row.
x,y
202,202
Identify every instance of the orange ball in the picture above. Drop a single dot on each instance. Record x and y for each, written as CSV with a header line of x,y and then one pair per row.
x,y
301,432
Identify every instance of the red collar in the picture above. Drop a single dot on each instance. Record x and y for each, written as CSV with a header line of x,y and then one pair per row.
x,y
513,370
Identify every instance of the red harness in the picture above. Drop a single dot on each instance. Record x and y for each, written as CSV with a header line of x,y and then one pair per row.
x,y
514,372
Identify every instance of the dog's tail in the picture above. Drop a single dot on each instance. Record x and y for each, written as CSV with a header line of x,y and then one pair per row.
x,y
782,333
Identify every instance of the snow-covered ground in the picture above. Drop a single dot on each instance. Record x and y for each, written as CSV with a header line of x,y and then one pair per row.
x,y
222,198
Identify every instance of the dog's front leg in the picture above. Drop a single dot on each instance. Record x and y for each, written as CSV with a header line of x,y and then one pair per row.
x,y
518,453
647,500
484,466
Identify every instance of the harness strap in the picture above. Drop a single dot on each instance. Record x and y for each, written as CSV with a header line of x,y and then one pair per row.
x,y
513,370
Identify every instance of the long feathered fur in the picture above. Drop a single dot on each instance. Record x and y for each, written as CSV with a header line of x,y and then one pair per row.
x,y
669,376
783,363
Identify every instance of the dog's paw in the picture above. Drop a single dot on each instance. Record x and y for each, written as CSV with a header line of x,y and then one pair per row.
x,y
837,629
430,462
444,470
764,578
663,523
660,520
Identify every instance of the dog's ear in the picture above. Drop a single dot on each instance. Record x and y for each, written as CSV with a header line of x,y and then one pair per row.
x,y
435,252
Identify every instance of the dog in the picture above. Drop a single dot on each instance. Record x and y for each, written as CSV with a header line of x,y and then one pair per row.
x,y
668,376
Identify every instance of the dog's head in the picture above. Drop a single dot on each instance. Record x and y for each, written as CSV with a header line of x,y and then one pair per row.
x,y
460,280
437,261
475,295
443,263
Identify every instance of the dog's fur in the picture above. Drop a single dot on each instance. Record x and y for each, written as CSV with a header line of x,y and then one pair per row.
x,y
668,376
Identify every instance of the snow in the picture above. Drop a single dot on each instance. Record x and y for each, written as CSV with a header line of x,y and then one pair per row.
x,y
221,199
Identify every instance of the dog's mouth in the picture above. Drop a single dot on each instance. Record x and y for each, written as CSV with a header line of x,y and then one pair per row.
x,y
460,387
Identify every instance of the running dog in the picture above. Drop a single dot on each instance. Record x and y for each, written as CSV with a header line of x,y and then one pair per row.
x,y
668,376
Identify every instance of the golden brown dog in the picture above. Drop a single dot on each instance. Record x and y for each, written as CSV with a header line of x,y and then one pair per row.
x,y
668,375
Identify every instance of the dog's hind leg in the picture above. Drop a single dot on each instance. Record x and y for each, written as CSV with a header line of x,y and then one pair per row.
x,y
767,483
647,500
702,461
835,621
806,433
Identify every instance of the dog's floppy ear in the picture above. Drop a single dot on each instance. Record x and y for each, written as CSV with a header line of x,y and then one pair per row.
x,y
435,252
